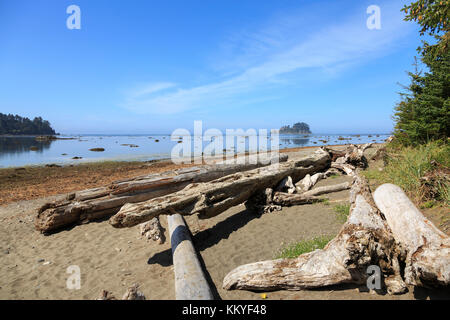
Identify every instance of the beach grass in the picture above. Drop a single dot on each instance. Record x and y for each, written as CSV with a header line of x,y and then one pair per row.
x,y
422,172
296,249
342,211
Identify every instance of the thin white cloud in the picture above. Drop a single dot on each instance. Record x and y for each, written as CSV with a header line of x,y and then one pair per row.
x,y
330,48
150,88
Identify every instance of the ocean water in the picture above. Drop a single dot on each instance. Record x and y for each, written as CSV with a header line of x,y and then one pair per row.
x,y
17,151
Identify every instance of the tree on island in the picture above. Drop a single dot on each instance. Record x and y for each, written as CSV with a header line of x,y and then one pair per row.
x,y
297,128
15,124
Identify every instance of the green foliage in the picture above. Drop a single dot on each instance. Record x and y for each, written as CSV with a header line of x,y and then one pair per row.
x,y
342,212
433,17
423,113
299,248
421,171
14,124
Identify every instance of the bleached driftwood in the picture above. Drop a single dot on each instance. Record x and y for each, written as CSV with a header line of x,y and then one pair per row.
x,y
152,230
347,168
284,199
397,238
428,249
212,198
327,189
97,203
309,181
286,185
106,295
190,281
133,293
364,240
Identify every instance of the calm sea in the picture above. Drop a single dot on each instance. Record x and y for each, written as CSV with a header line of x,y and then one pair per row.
x,y
22,151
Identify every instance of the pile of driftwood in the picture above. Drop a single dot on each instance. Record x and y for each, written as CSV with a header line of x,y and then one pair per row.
x,y
384,230
98,203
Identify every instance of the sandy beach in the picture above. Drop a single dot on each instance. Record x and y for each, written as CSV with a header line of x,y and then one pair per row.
x,y
33,266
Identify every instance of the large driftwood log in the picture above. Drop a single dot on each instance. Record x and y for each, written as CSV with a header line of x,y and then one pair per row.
x,y
212,198
364,240
428,249
92,204
190,281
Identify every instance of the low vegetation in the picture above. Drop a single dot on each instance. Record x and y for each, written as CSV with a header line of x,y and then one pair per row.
x,y
342,212
422,171
299,248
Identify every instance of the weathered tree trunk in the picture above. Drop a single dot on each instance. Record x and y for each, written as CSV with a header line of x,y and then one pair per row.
x,y
212,198
285,199
190,281
327,189
365,239
309,181
92,204
428,249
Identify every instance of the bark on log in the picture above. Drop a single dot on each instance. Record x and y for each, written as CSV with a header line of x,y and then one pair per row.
x,y
190,281
97,203
428,249
365,239
212,198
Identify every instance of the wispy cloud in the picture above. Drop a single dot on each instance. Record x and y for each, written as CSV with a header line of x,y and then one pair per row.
x,y
330,48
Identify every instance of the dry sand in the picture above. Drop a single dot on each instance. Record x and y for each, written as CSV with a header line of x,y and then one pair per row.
x,y
33,266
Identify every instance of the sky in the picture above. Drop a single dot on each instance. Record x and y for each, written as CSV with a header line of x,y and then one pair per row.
x,y
137,67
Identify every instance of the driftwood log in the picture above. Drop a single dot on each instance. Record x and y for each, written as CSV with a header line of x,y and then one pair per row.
x,y
406,246
97,203
364,240
285,199
212,198
190,281
428,249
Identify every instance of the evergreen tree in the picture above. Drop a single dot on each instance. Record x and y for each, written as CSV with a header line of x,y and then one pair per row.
x,y
423,113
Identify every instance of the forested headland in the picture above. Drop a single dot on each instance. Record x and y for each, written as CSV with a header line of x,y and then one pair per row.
x,y
17,125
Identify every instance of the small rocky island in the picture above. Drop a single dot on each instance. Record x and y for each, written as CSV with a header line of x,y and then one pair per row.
x,y
297,128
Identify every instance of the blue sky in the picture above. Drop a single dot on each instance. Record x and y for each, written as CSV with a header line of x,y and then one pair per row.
x,y
154,66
